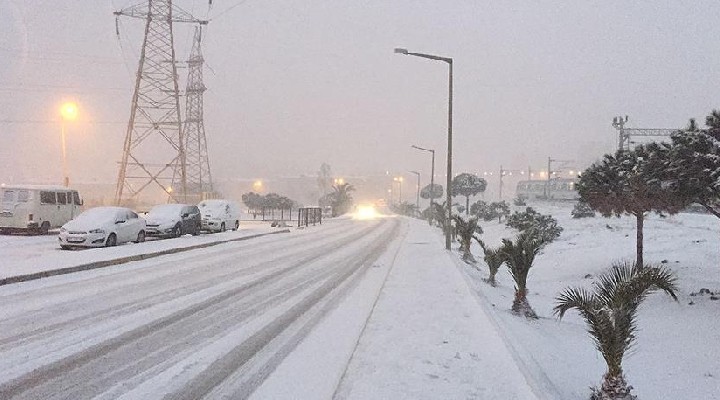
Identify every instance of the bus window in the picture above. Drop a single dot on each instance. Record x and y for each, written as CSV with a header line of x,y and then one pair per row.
x,y
47,197
23,196
76,199
8,196
61,198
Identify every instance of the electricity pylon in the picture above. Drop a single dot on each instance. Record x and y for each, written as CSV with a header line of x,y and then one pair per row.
x,y
197,171
154,147
624,134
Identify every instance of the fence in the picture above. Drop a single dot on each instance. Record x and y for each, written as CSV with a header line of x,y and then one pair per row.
x,y
309,215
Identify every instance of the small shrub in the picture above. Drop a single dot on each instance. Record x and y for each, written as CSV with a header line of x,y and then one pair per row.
x,y
520,201
540,226
582,210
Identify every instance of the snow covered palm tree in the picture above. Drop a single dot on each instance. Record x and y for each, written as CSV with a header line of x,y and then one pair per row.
x,y
610,312
466,230
519,257
494,259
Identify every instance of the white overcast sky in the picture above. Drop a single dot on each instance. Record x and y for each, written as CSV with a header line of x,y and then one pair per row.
x,y
295,83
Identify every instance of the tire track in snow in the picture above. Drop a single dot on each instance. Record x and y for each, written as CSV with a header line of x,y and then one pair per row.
x,y
50,380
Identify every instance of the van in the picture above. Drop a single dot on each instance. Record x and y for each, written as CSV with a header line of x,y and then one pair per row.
x,y
37,208
219,215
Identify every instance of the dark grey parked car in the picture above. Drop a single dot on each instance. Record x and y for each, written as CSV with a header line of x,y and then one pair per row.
x,y
173,220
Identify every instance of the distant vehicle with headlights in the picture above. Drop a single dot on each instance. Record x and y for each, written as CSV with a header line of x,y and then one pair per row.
x,y
102,227
219,215
173,220
37,208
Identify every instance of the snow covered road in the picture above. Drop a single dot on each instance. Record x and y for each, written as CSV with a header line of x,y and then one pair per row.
x,y
210,323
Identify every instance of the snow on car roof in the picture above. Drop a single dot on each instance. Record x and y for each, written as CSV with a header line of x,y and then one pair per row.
x,y
166,210
36,187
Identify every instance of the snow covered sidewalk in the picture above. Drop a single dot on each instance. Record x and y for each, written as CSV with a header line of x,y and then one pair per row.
x,y
427,338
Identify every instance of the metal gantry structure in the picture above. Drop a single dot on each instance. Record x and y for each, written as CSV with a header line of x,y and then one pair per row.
x,y
624,134
197,171
154,147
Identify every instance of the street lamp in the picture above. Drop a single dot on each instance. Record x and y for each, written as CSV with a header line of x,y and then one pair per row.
x,y
399,180
417,200
432,172
68,112
449,61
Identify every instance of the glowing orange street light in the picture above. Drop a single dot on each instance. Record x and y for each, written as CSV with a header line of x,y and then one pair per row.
x,y
258,185
68,112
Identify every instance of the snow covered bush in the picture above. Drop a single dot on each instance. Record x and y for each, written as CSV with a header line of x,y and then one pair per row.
x,y
610,312
519,256
582,210
542,227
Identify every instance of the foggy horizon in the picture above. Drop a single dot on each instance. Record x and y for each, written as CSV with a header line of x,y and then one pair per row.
x,y
295,84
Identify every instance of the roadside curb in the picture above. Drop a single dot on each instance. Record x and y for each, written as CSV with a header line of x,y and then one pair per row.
x,y
123,260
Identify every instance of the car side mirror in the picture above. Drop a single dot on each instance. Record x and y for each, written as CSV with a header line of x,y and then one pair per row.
x,y
185,215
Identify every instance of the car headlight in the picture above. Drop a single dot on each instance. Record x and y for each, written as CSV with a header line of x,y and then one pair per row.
x,y
96,231
63,230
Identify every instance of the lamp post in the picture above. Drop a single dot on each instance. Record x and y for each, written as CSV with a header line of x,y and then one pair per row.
x,y
449,61
399,180
432,171
417,199
68,112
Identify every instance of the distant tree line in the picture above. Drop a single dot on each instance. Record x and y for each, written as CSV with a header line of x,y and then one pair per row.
x,y
260,204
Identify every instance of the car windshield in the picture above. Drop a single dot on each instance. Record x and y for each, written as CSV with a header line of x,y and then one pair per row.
x,y
166,211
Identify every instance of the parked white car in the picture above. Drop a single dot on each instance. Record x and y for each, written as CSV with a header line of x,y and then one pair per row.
x,y
102,226
219,215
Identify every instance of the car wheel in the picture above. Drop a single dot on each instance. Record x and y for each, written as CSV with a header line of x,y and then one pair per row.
x,y
177,231
237,225
111,240
222,227
44,228
141,237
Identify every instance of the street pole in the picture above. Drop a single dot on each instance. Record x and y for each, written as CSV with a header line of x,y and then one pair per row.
x,y
501,183
432,177
417,200
449,61
66,177
449,154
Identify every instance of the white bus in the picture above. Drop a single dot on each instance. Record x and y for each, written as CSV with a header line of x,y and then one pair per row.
x,y
36,208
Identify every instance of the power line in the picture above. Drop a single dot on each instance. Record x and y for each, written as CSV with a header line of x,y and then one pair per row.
x,y
239,3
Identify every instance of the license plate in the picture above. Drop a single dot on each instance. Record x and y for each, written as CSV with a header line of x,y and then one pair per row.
x,y
75,240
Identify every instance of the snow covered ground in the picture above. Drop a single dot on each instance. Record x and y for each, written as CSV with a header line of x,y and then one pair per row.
x,y
678,350
21,255
355,310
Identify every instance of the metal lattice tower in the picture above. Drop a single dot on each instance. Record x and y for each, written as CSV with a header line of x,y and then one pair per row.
x,y
197,172
154,147
624,134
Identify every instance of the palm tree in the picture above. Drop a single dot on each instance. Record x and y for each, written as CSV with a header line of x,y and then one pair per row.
x,y
494,259
610,312
466,230
519,257
341,199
